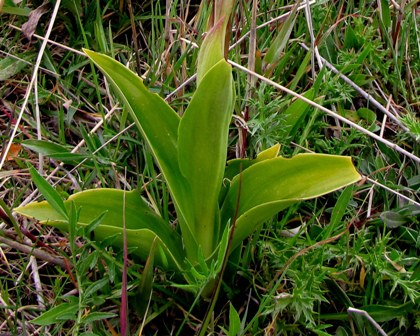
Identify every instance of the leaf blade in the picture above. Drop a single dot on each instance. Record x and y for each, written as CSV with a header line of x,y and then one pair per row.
x,y
203,138
60,313
143,224
49,193
155,119
272,185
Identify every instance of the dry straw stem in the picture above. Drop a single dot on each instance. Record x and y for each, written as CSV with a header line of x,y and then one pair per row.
x,y
322,61
371,320
32,82
276,19
359,90
392,191
329,112
314,47
37,282
51,42
38,253
51,73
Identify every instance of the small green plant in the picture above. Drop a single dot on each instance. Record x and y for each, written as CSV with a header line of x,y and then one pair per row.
x,y
217,205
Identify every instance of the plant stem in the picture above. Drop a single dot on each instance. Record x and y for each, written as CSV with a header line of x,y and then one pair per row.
x,y
218,282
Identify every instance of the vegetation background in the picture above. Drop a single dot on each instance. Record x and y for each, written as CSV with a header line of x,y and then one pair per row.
x,y
355,248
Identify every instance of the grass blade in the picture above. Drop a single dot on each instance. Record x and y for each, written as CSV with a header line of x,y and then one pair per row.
x,y
49,193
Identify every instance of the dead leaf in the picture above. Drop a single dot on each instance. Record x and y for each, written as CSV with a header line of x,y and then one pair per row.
x,y
28,28
362,277
13,152
67,104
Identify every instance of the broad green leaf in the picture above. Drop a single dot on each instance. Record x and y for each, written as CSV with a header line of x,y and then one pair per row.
x,y
9,7
142,223
212,49
50,194
61,313
203,136
155,119
44,147
223,8
380,313
235,166
367,114
272,185
69,158
74,6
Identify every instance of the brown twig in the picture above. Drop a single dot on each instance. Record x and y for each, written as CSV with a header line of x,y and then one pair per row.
x,y
40,254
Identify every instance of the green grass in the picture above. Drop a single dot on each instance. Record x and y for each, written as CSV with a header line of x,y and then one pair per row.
x,y
357,247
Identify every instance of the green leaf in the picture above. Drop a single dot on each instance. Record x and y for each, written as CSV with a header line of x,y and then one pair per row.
x,y
295,114
234,321
350,39
7,216
53,150
146,286
235,166
393,219
94,287
273,54
94,223
9,67
385,13
97,316
212,50
157,122
222,9
272,185
44,147
143,224
383,313
367,114
340,209
302,70
63,312
203,137
50,194
9,7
